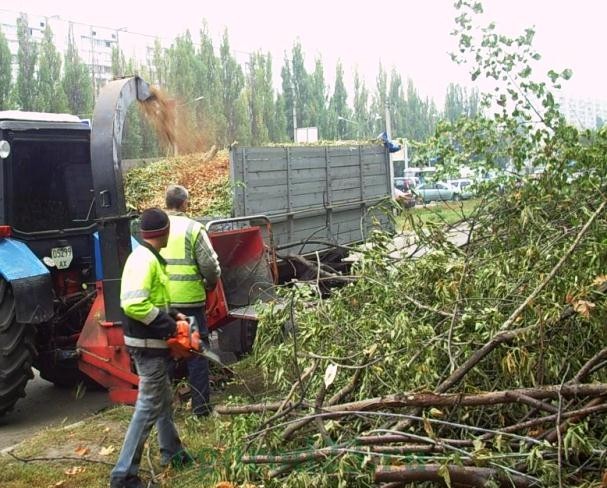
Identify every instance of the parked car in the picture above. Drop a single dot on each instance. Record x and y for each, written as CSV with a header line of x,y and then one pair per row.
x,y
437,191
463,186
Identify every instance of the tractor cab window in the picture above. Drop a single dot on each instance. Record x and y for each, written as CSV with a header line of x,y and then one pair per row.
x,y
50,185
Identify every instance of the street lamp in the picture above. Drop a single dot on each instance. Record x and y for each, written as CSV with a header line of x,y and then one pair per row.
x,y
339,117
197,99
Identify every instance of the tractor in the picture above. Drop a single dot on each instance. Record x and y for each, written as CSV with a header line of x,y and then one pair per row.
x,y
65,234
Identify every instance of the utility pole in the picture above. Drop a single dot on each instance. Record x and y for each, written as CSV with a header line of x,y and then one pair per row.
x,y
388,134
388,120
294,115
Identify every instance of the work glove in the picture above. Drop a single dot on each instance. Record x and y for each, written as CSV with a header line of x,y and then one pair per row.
x,y
164,326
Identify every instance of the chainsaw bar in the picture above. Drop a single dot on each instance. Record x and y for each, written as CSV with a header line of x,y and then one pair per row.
x,y
212,356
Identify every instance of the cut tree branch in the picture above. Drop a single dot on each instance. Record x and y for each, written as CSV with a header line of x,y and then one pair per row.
x,y
589,365
254,408
325,452
528,424
554,434
469,476
454,399
335,399
425,400
519,397
508,323
428,308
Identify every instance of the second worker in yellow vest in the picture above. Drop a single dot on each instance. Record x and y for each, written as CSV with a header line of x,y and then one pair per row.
x,y
193,268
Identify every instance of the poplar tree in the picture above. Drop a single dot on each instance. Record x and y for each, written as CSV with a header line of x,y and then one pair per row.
x,y
50,96
77,83
6,74
25,87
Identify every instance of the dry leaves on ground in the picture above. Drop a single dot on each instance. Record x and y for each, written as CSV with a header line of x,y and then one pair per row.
x,y
74,470
82,451
106,451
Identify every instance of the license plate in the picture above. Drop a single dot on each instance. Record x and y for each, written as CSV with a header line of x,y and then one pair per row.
x,y
62,256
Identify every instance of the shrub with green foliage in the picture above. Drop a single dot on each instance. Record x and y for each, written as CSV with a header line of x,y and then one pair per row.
x,y
538,247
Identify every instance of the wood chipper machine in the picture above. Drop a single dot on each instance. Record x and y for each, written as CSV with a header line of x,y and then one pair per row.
x,y
64,237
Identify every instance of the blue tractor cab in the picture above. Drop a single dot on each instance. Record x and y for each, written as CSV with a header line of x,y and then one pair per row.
x,y
47,259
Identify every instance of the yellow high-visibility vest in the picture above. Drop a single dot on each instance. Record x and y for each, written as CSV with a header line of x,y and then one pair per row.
x,y
186,286
144,288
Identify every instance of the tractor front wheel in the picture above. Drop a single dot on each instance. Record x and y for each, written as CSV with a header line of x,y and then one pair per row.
x,y
17,351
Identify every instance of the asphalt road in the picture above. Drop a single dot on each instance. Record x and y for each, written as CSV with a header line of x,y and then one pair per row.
x,y
45,406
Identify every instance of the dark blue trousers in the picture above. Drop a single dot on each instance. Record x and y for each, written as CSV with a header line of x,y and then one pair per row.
x,y
198,367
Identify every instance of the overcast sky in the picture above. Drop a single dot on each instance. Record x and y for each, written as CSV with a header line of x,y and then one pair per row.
x,y
412,36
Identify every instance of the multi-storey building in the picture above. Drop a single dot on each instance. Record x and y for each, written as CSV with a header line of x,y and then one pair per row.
x,y
94,43
584,113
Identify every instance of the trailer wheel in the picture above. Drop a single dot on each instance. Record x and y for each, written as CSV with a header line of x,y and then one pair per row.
x,y
17,351
237,338
248,331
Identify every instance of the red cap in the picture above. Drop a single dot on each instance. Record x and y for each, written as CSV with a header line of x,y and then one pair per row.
x,y
154,223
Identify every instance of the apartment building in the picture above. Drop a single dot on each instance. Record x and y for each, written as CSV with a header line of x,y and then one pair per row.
x,y
584,113
94,43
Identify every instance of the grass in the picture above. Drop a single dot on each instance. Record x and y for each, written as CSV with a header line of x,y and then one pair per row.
x,y
64,453
438,212
77,455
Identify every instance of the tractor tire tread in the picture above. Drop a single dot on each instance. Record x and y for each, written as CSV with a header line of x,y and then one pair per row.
x,y
7,314
17,352
7,346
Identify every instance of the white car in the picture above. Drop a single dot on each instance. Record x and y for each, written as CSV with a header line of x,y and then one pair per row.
x,y
463,186
436,191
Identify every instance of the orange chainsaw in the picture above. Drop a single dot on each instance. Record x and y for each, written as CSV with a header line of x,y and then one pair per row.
x,y
186,339
186,342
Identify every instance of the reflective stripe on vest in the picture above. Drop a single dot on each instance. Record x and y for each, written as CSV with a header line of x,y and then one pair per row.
x,y
147,343
185,283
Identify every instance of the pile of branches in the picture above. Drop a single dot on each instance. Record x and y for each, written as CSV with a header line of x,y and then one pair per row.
x,y
479,363
467,365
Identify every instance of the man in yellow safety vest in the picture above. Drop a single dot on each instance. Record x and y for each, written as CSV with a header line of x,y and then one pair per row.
x,y
193,268
144,297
